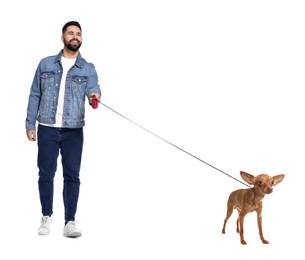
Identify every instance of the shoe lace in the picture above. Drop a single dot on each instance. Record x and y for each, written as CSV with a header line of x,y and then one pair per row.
x,y
44,220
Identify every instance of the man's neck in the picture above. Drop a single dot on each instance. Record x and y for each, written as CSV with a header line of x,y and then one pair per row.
x,y
70,54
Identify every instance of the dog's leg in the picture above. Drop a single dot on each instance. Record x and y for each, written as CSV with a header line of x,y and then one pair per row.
x,y
229,213
237,222
241,224
260,226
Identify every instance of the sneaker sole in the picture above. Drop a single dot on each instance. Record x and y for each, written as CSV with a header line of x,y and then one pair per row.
x,y
73,235
43,234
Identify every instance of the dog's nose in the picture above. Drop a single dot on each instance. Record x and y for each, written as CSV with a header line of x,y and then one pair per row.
x,y
269,190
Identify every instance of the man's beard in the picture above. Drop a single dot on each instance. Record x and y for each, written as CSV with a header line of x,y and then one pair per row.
x,y
72,47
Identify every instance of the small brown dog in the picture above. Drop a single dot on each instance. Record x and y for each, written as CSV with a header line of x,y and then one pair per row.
x,y
248,200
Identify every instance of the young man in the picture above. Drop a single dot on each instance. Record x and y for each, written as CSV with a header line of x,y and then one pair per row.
x,y
57,101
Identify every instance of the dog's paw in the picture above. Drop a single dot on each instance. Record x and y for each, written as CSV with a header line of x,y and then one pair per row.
x,y
243,242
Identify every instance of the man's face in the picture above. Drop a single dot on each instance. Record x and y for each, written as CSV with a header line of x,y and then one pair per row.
x,y
72,38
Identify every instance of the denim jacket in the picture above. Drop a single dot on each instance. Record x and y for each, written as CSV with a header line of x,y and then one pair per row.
x,y
81,81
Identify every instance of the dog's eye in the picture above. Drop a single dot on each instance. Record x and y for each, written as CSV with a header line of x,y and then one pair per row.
x,y
272,182
260,182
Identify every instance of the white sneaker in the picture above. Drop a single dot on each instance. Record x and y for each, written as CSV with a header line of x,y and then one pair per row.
x,y
70,230
45,224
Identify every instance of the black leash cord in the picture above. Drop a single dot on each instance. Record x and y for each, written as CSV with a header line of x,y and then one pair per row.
x,y
172,144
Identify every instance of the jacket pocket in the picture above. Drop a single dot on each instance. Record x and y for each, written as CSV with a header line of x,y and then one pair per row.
x,y
79,85
47,86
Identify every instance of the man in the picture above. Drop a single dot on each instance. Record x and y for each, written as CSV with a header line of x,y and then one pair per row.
x,y
57,101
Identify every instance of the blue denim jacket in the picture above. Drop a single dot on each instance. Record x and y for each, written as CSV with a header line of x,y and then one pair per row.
x,y
81,81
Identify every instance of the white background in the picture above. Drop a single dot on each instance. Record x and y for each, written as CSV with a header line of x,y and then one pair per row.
x,y
221,79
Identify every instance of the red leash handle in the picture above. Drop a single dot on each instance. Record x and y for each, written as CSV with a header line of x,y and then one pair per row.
x,y
94,102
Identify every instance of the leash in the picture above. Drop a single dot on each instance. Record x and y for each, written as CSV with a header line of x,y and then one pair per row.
x,y
95,102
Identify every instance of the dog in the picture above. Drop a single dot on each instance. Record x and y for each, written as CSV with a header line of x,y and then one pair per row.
x,y
249,200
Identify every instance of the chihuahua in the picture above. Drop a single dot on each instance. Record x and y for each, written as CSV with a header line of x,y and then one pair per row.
x,y
249,200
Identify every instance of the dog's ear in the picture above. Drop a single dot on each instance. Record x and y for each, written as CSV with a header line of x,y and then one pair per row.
x,y
278,178
249,178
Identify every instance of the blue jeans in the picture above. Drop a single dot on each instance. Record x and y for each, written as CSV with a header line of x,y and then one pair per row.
x,y
69,142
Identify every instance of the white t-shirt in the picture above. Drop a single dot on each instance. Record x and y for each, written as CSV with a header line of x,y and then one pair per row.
x,y
66,65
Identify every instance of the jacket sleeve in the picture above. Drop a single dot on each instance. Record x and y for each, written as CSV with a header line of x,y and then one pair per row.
x,y
33,102
93,81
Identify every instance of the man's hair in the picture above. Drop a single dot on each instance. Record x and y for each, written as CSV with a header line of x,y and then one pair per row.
x,y
75,23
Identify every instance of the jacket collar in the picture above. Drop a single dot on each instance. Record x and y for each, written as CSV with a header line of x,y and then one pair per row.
x,y
79,60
